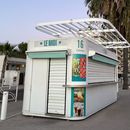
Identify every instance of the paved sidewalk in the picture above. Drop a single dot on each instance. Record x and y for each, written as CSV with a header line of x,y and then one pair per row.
x,y
114,117
13,108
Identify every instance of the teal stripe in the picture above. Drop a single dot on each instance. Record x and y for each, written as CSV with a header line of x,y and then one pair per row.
x,y
78,79
84,101
72,102
46,55
104,59
79,56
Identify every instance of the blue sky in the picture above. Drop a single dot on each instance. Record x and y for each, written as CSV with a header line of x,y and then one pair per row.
x,y
18,18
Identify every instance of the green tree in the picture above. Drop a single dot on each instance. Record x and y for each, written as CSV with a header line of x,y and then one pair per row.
x,y
1,49
8,50
22,49
118,12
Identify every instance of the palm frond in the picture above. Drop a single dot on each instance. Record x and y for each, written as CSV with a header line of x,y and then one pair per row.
x,y
86,2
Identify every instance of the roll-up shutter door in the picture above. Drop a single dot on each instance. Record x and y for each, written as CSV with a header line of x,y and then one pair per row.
x,y
100,72
56,91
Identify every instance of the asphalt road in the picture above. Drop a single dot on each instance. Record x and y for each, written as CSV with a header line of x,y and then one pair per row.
x,y
114,117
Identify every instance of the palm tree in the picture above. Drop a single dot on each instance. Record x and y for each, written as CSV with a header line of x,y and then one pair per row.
x,y
118,12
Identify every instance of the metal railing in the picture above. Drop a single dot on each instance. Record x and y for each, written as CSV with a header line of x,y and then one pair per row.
x,y
12,90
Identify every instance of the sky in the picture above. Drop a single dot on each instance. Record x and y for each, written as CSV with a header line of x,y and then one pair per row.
x,y
18,18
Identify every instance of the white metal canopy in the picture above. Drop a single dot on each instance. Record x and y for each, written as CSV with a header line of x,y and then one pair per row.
x,y
97,29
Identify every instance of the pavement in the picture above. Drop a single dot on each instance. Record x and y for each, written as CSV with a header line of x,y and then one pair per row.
x,y
114,117
13,109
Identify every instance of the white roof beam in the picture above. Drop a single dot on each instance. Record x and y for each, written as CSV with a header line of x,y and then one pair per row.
x,y
98,29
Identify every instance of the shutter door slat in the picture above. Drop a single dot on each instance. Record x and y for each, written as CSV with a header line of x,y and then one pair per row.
x,y
56,97
100,72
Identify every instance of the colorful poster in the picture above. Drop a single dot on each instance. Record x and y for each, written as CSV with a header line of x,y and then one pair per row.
x,y
79,67
78,102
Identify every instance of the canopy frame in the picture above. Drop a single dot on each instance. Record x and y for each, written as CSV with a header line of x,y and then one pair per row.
x,y
97,29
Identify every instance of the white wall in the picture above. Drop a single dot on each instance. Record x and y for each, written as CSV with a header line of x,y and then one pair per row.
x,y
99,97
36,83
39,86
101,50
9,77
27,85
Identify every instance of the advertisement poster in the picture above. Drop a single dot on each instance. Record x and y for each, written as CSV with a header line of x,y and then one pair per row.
x,y
78,102
79,67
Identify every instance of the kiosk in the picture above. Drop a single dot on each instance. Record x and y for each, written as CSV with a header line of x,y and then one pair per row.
x,y
74,75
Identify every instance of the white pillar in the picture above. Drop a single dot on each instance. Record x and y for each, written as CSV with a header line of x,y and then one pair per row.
x,y
4,105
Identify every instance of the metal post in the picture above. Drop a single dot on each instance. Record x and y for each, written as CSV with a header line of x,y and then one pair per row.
x,y
16,93
116,73
4,105
125,68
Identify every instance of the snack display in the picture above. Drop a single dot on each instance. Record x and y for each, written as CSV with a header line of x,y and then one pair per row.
x,y
75,67
78,102
79,68
82,67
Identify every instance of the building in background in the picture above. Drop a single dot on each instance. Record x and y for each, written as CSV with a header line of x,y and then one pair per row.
x,y
12,64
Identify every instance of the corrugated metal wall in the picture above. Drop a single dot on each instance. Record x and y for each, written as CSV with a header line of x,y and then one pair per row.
x,y
100,72
56,97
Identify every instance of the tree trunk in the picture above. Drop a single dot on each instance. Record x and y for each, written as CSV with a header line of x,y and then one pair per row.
x,y
125,68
